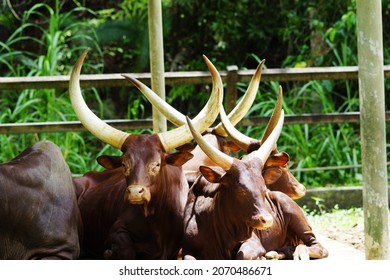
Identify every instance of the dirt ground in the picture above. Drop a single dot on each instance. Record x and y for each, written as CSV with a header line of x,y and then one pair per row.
x,y
352,236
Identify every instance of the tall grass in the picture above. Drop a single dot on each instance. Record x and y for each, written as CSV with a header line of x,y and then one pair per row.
x,y
315,145
62,37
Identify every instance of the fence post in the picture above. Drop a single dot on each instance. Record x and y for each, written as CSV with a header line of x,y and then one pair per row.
x,y
231,87
373,129
156,51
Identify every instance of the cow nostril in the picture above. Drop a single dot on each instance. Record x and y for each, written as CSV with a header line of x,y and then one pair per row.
x,y
141,190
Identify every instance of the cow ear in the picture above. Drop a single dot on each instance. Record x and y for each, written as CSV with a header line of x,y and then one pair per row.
x,y
203,187
178,158
211,175
110,162
271,175
278,159
230,146
188,147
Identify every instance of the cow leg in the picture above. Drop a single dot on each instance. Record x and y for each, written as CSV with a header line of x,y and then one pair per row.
x,y
119,246
188,257
251,249
315,251
273,255
301,252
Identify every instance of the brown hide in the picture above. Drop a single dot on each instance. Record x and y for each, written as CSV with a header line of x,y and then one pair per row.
x,y
117,229
215,229
39,217
230,207
276,172
285,182
289,230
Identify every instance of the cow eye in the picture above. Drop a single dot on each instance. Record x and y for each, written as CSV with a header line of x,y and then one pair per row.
x,y
126,167
154,168
241,192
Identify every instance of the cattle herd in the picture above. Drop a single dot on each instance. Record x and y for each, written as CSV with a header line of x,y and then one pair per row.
x,y
179,194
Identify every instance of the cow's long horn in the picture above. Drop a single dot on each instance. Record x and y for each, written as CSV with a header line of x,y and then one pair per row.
x,y
221,159
173,115
206,117
245,142
240,139
269,145
275,116
242,108
177,118
90,121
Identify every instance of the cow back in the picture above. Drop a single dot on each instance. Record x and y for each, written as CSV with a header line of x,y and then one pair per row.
x,y
39,216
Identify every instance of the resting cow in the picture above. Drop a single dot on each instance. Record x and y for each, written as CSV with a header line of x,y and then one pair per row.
x,y
233,216
134,209
39,217
276,172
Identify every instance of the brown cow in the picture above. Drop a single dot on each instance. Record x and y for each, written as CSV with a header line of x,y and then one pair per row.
x,y
39,217
134,210
276,172
224,212
220,215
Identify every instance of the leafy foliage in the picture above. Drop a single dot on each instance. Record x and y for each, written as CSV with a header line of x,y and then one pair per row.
x,y
45,38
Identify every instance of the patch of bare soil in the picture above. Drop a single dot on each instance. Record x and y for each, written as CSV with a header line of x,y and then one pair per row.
x,y
352,236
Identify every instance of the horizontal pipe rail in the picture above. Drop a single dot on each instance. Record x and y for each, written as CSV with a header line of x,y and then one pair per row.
x,y
180,78
65,126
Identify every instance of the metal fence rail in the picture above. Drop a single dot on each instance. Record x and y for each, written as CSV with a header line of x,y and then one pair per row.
x,y
231,77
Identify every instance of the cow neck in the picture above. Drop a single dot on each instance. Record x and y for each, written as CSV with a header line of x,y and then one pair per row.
x,y
165,211
229,229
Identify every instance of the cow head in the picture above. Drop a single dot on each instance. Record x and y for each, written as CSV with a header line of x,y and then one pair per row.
x,y
279,178
275,172
242,182
144,157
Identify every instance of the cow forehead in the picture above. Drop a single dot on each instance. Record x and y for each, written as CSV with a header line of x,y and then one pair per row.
x,y
247,173
143,147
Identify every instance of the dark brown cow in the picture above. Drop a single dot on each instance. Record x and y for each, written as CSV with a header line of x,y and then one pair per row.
x,y
221,213
39,217
135,208
276,172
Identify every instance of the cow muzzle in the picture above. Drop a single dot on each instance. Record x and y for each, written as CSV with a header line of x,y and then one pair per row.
x,y
137,194
300,191
262,221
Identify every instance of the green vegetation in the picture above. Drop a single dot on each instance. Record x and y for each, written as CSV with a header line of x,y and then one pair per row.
x,y
341,217
46,38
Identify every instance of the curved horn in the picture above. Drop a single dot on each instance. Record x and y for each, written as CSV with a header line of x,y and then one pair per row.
x,y
206,117
90,121
245,142
221,159
275,116
163,107
177,118
240,139
268,145
245,103
173,115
